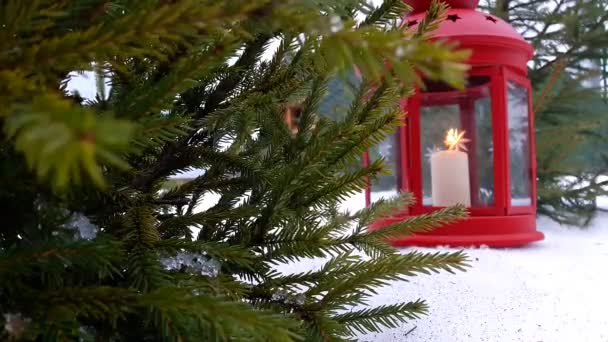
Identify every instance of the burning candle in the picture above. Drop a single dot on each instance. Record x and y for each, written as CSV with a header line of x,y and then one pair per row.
x,y
450,172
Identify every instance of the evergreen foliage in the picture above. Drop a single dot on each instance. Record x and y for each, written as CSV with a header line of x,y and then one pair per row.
x,y
96,246
568,75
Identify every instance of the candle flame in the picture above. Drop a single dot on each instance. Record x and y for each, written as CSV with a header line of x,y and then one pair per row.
x,y
455,140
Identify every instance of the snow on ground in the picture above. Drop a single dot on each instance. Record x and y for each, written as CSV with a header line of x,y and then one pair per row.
x,y
552,291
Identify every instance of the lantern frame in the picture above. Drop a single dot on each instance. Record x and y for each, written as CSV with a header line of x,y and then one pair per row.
x,y
501,55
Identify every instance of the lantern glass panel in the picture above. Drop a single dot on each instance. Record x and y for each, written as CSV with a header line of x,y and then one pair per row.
x,y
519,144
386,186
444,108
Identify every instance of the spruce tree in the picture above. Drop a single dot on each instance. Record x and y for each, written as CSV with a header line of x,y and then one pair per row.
x,y
98,244
568,75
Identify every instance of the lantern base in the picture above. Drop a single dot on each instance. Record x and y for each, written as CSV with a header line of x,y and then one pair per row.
x,y
492,231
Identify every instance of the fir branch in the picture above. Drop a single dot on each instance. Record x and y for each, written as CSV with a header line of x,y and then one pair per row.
x,y
238,318
416,224
387,13
75,140
103,256
250,56
140,233
340,188
347,283
224,253
383,208
144,271
149,98
436,13
209,183
96,303
212,102
157,131
559,67
379,318
207,218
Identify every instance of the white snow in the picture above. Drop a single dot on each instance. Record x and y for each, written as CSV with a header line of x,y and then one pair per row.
x,y
602,202
551,291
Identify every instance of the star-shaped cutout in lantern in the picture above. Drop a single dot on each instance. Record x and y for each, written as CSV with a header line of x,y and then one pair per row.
x,y
453,17
491,18
455,140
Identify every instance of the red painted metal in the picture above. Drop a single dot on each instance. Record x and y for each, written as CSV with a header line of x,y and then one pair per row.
x,y
493,231
491,40
501,54
422,5
501,165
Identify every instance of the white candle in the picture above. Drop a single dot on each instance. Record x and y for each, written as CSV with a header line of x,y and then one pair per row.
x,y
450,178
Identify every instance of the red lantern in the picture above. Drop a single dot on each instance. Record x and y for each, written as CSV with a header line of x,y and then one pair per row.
x,y
488,163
